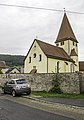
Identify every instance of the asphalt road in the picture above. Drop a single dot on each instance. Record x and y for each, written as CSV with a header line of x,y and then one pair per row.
x,y
74,102
10,110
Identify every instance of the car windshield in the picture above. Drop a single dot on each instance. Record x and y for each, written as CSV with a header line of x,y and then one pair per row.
x,y
21,81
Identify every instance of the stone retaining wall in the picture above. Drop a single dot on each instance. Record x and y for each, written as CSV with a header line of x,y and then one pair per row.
x,y
69,82
81,78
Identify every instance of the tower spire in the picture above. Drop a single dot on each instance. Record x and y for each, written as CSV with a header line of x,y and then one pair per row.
x,y
65,31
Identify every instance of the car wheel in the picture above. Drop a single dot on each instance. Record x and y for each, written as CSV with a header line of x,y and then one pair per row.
x,y
13,93
29,92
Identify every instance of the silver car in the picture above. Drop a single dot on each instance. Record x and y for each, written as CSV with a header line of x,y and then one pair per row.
x,y
17,87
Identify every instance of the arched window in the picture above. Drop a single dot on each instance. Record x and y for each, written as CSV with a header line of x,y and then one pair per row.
x,y
58,67
62,42
72,68
34,55
29,59
40,57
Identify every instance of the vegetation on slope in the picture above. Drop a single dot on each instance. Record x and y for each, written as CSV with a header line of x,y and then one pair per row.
x,y
12,60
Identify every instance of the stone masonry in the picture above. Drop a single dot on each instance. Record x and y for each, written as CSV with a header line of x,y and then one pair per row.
x,y
68,82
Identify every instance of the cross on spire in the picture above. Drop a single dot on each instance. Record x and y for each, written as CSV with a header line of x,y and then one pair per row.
x,y
36,37
64,10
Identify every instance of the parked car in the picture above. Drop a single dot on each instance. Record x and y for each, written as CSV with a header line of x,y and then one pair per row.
x,y
16,87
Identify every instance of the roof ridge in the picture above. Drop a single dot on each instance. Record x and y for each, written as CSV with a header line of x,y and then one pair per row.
x,y
53,51
49,44
44,42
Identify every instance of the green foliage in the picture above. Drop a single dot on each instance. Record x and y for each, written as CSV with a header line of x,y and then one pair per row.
x,y
55,89
56,84
12,60
62,95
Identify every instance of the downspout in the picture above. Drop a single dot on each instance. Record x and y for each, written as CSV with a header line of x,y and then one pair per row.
x,y
47,64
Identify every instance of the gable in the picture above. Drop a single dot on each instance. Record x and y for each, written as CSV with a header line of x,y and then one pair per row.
x,y
15,70
34,49
12,70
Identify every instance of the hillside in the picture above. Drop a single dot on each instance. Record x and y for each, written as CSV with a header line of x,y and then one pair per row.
x,y
12,60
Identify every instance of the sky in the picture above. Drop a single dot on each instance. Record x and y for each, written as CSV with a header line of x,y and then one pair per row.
x,y
20,26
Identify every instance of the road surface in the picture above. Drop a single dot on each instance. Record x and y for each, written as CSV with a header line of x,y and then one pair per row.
x,y
10,110
67,101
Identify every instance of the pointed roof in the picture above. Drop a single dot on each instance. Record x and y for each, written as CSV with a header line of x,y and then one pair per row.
x,y
73,52
65,31
10,70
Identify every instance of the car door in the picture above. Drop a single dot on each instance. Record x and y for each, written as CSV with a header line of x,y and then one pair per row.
x,y
6,87
9,86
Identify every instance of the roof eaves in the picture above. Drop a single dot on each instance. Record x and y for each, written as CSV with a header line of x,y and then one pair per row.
x,y
60,58
65,30
29,49
65,39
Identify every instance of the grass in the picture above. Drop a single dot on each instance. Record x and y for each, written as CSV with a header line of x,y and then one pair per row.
x,y
62,95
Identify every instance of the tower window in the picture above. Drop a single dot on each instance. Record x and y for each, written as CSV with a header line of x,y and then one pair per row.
x,y
73,43
57,44
29,59
76,44
62,43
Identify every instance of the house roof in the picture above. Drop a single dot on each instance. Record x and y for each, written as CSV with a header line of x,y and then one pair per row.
x,y
10,69
33,71
81,66
65,31
73,52
2,64
52,51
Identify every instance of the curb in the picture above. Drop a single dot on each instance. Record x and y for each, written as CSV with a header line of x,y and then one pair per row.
x,y
52,103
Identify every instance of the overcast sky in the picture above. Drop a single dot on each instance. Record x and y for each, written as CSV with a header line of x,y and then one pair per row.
x,y
20,26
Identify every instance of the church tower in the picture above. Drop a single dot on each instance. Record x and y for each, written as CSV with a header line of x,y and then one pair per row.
x,y
67,40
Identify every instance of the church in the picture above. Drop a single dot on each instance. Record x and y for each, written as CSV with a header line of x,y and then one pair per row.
x,y
62,57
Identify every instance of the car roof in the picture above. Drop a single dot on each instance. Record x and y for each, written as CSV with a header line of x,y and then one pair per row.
x,y
18,79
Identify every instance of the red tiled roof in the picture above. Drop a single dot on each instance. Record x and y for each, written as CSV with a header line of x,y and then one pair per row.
x,y
52,51
65,31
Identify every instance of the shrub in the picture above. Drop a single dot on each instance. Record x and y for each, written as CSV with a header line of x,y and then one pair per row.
x,y
55,89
